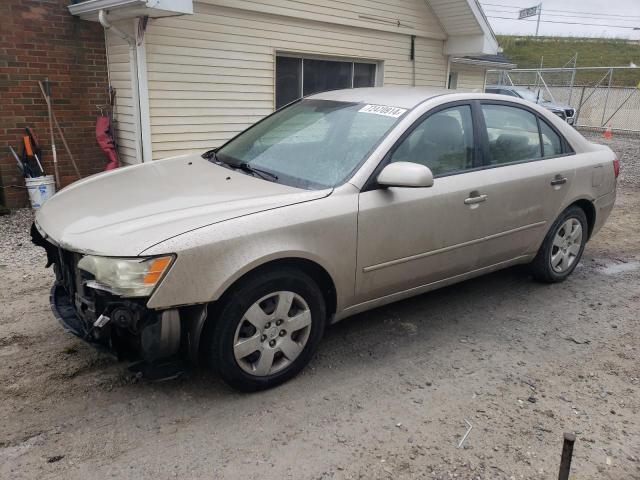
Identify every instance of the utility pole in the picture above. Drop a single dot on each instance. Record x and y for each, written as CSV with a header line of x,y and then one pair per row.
x,y
539,13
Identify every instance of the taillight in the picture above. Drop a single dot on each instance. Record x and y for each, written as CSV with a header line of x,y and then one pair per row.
x,y
616,167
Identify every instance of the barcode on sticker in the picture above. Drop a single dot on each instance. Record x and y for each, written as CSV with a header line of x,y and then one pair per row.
x,y
394,112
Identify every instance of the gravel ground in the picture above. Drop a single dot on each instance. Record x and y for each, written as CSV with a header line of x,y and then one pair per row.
x,y
628,149
386,396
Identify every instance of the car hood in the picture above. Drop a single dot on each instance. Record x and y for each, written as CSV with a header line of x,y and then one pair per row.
x,y
556,106
125,211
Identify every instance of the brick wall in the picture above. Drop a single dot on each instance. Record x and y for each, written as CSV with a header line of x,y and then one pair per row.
x,y
38,39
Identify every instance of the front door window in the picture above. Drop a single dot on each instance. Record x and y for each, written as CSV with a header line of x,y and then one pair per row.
x,y
443,142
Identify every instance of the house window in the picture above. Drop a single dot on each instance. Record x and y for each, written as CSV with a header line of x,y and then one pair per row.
x,y
297,77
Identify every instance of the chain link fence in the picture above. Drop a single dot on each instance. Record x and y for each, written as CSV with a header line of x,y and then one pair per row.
x,y
601,96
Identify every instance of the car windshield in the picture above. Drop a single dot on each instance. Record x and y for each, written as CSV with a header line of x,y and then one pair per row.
x,y
311,144
529,95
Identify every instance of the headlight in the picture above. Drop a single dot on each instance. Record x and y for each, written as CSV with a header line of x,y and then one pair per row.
x,y
127,277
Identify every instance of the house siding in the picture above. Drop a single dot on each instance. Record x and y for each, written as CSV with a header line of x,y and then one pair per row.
x,y
212,74
469,78
125,121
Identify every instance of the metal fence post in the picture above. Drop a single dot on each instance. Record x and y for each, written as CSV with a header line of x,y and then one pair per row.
x,y
606,98
579,104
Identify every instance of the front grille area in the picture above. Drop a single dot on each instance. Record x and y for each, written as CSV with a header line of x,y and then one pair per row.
x,y
72,279
560,113
67,273
78,306
569,112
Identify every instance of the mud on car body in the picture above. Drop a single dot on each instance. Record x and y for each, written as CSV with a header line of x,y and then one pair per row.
x,y
333,205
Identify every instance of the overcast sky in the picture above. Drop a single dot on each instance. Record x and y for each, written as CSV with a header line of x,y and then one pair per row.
x,y
611,17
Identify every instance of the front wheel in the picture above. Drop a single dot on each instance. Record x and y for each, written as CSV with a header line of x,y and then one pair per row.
x,y
267,330
562,248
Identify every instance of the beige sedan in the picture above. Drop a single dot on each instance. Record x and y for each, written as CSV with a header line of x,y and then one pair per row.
x,y
336,204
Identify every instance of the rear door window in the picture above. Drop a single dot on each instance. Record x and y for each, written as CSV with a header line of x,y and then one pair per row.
x,y
512,133
551,142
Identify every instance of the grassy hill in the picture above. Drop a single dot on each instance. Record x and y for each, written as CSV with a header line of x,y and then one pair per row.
x,y
592,52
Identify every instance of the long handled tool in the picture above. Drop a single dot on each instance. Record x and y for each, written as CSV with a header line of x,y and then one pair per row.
x,y
29,155
32,141
46,89
21,167
64,141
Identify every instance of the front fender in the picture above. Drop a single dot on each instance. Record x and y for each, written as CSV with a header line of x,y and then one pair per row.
x,y
209,260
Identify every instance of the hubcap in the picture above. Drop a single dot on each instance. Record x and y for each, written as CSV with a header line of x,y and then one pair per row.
x,y
272,333
566,245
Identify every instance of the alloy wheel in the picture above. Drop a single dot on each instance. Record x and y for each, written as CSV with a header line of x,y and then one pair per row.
x,y
566,245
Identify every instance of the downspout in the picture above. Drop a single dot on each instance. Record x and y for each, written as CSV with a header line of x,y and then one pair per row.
x,y
413,60
135,85
102,18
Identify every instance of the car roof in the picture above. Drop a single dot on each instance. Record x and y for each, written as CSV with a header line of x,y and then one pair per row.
x,y
403,97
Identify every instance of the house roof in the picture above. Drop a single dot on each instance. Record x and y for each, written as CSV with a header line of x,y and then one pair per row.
x,y
497,58
497,61
464,27
119,9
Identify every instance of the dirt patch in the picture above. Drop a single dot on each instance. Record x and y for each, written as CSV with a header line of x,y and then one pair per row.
x,y
386,397
13,339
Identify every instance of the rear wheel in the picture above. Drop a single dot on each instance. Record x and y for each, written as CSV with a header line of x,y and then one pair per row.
x,y
267,330
562,248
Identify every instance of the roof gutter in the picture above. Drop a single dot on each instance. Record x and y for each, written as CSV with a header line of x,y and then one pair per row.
x,y
91,6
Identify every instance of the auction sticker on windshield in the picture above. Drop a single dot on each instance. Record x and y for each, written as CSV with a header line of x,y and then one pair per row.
x,y
394,112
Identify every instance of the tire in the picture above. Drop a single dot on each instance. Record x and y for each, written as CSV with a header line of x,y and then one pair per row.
x,y
549,264
263,293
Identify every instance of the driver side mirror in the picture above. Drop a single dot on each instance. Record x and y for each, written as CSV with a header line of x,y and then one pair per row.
x,y
405,174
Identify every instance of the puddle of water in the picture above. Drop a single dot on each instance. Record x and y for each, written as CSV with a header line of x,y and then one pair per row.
x,y
617,268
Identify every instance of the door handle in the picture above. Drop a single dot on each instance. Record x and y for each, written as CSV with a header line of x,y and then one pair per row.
x,y
476,199
558,181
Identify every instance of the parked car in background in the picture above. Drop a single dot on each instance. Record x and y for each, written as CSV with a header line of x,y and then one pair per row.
x,y
336,204
565,112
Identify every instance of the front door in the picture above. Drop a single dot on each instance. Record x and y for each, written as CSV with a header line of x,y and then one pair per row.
x,y
410,237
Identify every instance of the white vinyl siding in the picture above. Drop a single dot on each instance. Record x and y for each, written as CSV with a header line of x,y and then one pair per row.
x,y
212,74
469,77
413,17
120,78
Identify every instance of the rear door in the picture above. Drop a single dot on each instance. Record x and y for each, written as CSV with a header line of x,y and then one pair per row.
x,y
528,170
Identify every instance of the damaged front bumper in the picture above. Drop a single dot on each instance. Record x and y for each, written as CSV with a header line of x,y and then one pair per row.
x,y
125,327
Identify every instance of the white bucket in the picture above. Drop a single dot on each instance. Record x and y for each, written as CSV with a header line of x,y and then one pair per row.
x,y
40,189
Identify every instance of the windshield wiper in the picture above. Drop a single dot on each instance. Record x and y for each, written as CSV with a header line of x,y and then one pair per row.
x,y
210,155
245,167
